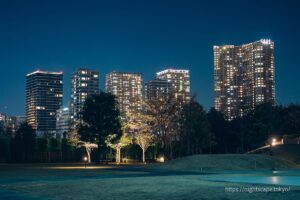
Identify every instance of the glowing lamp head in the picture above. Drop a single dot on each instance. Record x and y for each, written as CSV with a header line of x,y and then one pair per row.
x,y
161,159
85,158
274,142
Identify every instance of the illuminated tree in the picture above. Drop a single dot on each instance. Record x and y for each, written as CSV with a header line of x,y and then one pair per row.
x,y
74,140
117,144
139,125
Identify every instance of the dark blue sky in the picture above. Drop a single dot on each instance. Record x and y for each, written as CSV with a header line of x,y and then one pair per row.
x,y
141,36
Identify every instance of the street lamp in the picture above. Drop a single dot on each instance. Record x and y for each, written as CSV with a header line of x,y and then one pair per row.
x,y
274,142
85,161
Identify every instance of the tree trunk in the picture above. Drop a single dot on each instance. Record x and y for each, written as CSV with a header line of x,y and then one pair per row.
x,y
143,150
88,153
118,155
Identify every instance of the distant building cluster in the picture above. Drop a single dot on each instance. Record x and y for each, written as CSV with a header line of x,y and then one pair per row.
x,y
10,124
244,77
44,97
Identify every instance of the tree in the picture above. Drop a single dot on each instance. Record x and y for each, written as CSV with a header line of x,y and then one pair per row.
x,y
88,148
54,145
220,128
65,145
164,111
26,136
74,140
196,134
100,117
139,126
290,119
117,144
42,144
258,125
144,138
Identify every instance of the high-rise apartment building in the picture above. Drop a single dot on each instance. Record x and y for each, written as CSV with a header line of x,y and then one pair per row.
x,y
127,87
63,122
44,95
243,77
180,80
156,89
84,82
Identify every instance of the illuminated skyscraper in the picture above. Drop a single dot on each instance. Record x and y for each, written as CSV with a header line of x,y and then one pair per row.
x,y
44,95
158,88
127,87
180,80
84,82
243,77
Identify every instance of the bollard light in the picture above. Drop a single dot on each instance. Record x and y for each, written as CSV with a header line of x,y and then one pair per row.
x,y
85,161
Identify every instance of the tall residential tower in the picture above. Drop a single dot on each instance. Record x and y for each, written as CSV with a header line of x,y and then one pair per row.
x,y
84,82
180,80
244,76
44,95
127,87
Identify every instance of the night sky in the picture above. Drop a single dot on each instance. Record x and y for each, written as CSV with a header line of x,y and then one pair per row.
x,y
141,36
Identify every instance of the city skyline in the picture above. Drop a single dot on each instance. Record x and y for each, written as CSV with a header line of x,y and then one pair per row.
x,y
112,37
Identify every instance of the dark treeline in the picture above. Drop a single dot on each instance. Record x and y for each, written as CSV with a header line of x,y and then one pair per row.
x,y
24,146
209,132
177,131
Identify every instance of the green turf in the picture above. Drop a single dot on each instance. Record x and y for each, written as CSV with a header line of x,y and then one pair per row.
x,y
63,182
226,162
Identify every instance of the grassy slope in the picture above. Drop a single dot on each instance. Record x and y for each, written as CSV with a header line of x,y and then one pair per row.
x,y
50,182
225,162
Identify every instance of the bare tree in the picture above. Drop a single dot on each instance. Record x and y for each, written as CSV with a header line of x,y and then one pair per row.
x,y
164,111
140,127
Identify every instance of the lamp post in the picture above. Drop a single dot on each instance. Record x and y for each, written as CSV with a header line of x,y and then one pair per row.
x,y
85,161
273,143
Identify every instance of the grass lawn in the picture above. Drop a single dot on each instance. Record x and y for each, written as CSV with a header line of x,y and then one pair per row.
x,y
73,181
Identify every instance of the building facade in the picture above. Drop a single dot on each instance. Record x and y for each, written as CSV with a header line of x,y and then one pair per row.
x,y
244,77
63,122
44,95
127,87
84,82
156,89
180,80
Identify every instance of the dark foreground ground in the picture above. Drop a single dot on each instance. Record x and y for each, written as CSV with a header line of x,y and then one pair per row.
x,y
73,181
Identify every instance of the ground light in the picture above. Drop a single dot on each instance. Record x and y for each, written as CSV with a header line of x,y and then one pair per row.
x,y
161,159
85,161
274,142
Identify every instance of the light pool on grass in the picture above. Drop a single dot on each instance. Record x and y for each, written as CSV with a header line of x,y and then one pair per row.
x,y
272,180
